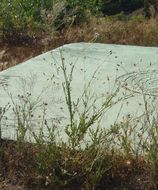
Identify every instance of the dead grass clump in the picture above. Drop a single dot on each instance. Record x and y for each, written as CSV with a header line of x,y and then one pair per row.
x,y
104,30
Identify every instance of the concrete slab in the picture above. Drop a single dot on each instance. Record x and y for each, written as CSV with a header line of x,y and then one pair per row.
x,y
33,91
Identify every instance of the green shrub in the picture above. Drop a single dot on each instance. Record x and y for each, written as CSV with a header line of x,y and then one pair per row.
x,y
77,11
19,16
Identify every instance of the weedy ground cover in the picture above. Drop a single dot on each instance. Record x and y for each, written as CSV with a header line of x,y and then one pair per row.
x,y
123,156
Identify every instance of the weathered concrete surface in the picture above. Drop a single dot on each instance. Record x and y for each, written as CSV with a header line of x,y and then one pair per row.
x,y
131,69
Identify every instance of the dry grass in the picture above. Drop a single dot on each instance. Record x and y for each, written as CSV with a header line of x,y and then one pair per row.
x,y
133,32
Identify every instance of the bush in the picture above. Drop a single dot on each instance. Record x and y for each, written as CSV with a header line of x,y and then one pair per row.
x,y
77,11
19,15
